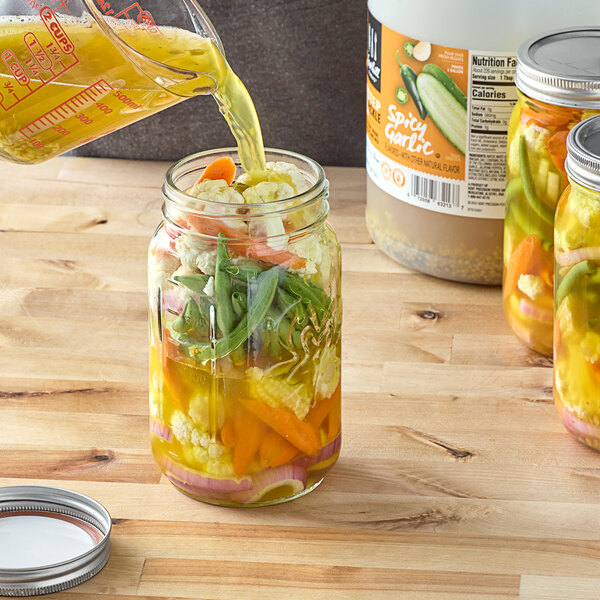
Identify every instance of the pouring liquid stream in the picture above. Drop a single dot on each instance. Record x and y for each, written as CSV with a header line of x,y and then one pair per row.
x,y
57,93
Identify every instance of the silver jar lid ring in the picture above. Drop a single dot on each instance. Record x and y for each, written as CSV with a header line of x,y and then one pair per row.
x,y
583,153
52,539
561,67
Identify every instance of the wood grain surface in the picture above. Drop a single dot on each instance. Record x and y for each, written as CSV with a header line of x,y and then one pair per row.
x,y
456,479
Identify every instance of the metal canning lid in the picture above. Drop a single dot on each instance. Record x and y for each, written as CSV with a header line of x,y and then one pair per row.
x,y
561,67
51,539
583,153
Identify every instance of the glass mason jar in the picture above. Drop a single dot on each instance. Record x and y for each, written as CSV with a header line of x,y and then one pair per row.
x,y
245,348
577,298
554,96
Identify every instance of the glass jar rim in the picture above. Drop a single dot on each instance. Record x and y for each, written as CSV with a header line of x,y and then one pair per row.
x,y
184,201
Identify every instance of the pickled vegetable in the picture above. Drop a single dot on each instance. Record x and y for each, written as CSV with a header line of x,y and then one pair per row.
x,y
536,178
577,317
245,345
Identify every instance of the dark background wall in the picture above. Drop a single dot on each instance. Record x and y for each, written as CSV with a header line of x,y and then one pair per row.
x,y
303,62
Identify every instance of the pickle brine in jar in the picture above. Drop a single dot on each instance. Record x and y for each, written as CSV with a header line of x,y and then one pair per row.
x,y
439,96
245,320
557,81
577,296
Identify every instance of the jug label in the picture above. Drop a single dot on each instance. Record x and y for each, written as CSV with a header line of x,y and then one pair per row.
x,y
437,123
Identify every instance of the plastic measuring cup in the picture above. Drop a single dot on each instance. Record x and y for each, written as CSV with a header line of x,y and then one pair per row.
x,y
72,71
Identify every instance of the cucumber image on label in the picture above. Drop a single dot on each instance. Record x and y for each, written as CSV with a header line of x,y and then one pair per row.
x,y
446,111
410,81
447,81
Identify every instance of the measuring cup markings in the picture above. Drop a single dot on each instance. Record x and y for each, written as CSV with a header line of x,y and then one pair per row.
x,y
72,107
56,59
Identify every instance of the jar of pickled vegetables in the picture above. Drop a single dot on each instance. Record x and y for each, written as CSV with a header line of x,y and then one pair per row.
x,y
245,319
577,297
557,80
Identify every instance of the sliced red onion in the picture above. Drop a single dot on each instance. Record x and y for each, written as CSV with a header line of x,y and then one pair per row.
x,y
202,483
267,480
172,301
576,425
197,491
535,312
572,257
326,453
162,431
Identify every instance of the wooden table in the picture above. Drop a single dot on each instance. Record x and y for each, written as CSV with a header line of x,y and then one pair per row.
x,y
456,479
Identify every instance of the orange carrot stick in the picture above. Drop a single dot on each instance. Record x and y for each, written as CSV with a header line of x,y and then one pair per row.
x,y
221,168
228,435
301,434
528,252
275,450
557,147
318,413
334,419
546,119
239,243
249,432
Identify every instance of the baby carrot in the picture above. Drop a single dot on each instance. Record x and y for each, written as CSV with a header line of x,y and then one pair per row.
x,y
275,450
249,432
546,119
301,434
318,413
334,419
228,435
241,244
528,252
221,168
557,147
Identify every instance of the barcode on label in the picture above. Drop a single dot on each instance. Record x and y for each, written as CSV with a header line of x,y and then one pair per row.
x,y
431,190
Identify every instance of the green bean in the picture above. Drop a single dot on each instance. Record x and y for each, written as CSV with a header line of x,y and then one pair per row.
x,y
287,303
581,269
308,294
246,272
239,302
190,321
514,192
195,282
542,209
224,309
257,310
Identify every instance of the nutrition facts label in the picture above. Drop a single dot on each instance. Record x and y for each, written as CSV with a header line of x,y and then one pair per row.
x,y
492,97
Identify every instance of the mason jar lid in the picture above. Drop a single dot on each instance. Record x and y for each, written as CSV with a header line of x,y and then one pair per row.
x,y
561,67
583,153
51,539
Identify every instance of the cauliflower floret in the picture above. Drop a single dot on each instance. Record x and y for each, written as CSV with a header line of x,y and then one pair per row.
x,y
217,190
199,411
195,254
268,191
579,222
200,438
209,288
536,138
290,173
309,247
531,285
590,346
162,266
281,172
182,427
